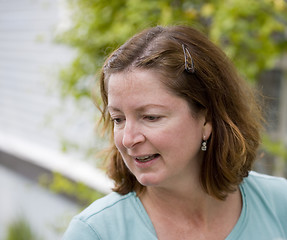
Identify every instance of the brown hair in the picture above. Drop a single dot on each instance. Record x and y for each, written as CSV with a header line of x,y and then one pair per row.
x,y
214,87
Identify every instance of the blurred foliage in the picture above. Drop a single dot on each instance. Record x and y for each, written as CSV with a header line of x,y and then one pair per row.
x,y
21,230
78,191
276,148
251,32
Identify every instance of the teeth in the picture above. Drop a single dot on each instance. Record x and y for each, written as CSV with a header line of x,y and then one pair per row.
x,y
146,158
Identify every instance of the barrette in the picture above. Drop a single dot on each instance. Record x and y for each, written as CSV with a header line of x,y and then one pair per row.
x,y
188,61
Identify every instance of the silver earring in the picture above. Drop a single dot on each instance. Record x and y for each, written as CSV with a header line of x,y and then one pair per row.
x,y
204,145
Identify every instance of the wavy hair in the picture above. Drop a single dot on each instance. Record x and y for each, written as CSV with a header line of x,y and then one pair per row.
x,y
215,87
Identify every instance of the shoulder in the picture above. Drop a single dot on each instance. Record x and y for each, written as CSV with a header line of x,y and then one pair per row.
x,y
269,184
269,190
101,217
110,203
264,201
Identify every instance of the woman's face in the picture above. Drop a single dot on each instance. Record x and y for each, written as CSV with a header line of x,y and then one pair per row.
x,y
154,130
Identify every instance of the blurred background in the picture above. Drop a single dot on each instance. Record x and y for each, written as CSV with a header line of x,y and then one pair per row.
x,y
50,54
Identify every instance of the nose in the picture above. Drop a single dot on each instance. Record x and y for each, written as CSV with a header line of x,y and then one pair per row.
x,y
132,135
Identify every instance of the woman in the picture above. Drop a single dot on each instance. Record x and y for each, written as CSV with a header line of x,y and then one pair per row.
x,y
186,130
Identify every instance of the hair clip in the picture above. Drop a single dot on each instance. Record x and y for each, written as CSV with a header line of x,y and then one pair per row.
x,y
188,61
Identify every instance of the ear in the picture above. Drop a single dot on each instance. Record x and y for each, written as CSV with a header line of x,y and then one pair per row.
x,y
206,130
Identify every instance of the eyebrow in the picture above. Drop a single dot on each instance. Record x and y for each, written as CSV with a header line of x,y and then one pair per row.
x,y
140,108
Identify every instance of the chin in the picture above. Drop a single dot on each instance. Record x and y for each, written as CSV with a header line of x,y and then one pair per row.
x,y
148,181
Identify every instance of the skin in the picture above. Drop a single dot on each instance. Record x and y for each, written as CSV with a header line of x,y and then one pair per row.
x,y
159,139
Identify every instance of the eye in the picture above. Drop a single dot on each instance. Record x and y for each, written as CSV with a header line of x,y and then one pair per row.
x,y
117,120
151,118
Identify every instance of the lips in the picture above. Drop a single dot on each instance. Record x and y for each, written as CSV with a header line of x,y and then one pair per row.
x,y
146,158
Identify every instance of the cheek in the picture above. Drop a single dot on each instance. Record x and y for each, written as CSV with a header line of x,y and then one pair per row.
x,y
118,140
186,135
165,140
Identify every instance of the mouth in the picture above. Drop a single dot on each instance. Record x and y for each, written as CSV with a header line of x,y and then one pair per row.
x,y
146,158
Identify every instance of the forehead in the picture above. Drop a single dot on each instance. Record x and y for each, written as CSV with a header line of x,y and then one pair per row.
x,y
138,87
135,80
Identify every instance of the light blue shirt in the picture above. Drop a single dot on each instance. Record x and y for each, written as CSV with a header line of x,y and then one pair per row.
x,y
263,215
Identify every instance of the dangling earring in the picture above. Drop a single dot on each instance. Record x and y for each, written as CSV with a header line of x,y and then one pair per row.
x,y
204,144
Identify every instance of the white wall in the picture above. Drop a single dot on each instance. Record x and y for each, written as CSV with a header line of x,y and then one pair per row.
x,y
29,62
34,121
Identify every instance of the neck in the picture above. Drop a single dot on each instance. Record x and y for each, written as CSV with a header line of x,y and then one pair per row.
x,y
192,205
